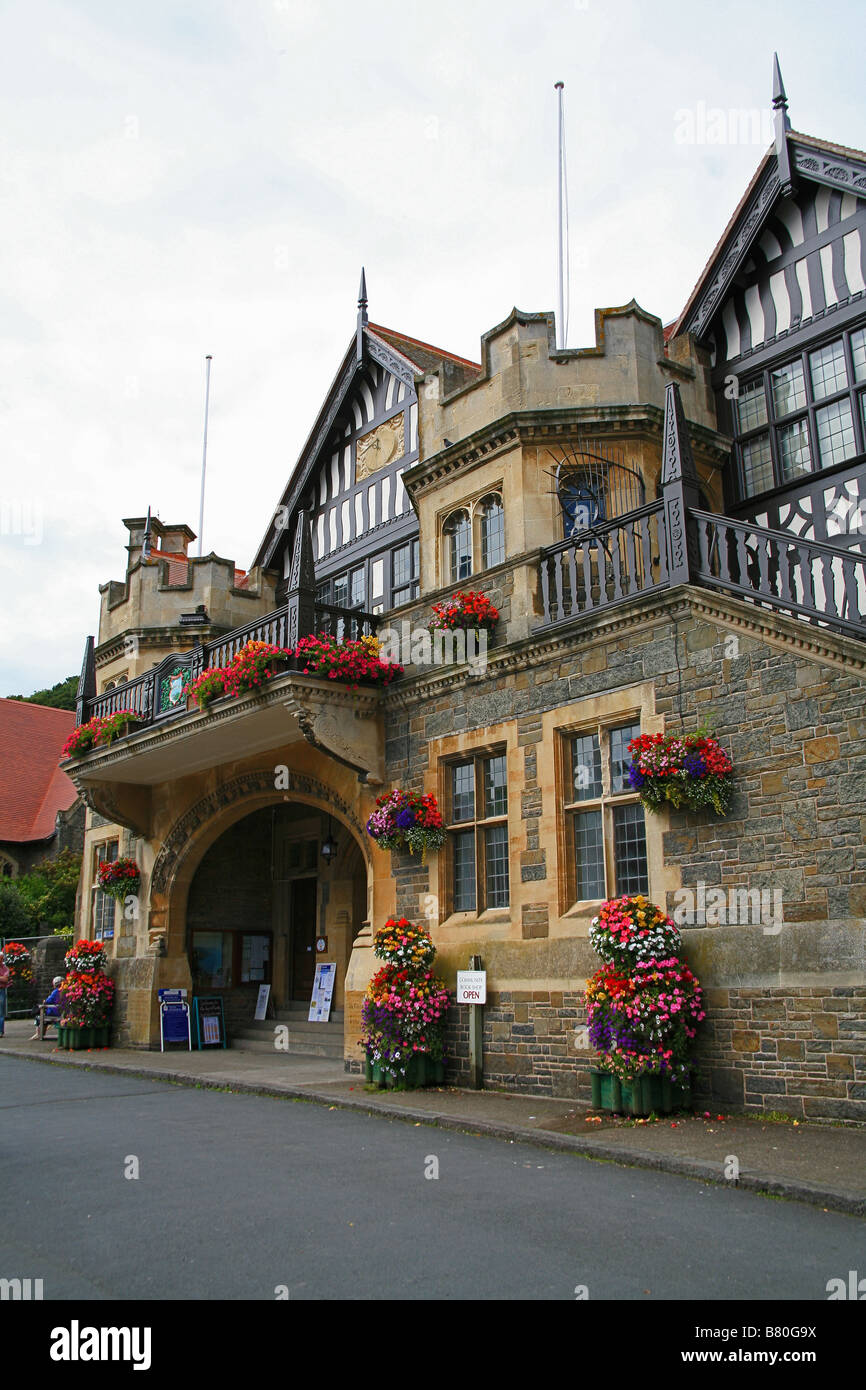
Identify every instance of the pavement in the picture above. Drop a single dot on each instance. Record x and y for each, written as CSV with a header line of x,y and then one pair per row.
x,y
824,1165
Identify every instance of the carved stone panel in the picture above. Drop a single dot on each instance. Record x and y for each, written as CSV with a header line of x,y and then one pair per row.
x,y
380,447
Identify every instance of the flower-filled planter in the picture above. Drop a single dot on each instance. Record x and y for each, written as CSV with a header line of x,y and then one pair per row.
x,y
464,610
406,820
119,877
82,740
644,1005
87,998
210,685
99,732
403,1015
253,666
85,958
691,771
357,662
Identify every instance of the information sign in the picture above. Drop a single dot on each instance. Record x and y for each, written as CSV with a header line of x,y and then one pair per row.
x,y
471,986
323,993
209,1019
262,1002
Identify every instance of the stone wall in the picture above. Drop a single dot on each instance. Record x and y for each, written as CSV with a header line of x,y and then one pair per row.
x,y
786,1025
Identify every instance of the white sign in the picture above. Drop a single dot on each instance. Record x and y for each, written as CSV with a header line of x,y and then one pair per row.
x,y
471,986
323,992
262,1002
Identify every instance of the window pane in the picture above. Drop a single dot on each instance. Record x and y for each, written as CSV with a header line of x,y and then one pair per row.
x,y
402,562
589,856
620,758
495,786
794,453
829,373
629,848
323,592
757,465
858,352
835,433
585,768
789,388
492,532
496,857
341,591
459,532
464,871
752,406
463,792
358,588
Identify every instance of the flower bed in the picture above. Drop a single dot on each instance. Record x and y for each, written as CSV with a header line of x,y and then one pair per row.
x,y
86,1000
690,771
403,1015
465,610
355,662
406,820
644,1003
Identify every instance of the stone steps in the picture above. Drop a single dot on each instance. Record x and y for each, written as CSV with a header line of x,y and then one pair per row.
x,y
304,1038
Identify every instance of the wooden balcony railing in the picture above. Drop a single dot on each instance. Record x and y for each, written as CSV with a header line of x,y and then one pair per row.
x,y
150,696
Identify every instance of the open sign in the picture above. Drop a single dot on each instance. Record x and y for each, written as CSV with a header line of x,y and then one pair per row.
x,y
471,986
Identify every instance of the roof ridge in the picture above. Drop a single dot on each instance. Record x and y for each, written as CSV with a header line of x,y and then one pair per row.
x,y
419,342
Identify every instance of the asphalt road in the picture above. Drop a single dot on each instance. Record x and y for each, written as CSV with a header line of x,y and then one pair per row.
x,y
239,1196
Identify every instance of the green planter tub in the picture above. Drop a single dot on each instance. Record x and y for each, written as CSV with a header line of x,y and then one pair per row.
x,y
641,1096
420,1071
76,1039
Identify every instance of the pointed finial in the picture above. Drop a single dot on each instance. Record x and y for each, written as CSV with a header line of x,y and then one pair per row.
x,y
147,541
782,126
780,99
362,318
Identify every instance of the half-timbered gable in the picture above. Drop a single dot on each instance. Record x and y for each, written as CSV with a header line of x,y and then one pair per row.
x,y
782,307
349,479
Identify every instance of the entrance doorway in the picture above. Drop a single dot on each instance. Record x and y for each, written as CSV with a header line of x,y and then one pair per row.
x,y
302,954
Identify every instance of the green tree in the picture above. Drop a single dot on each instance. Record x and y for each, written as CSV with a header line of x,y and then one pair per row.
x,y
14,916
48,892
59,696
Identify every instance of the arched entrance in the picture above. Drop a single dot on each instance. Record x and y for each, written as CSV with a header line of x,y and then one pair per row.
x,y
264,907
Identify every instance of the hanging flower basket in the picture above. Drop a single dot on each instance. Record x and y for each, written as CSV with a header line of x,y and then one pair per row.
x,y
407,821
17,958
119,878
690,771
465,610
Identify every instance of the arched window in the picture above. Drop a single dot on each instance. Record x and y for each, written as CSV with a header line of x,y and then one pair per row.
x,y
491,526
458,546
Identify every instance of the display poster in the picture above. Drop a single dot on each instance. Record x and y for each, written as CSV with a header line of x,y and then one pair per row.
x,y
323,992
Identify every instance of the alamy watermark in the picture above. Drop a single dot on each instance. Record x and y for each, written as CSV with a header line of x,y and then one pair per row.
x,y
418,646
743,907
716,125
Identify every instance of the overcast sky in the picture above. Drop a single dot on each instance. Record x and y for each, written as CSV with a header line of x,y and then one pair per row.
x,y
182,177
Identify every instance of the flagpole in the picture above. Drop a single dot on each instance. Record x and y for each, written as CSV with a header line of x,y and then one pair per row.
x,y
560,318
208,359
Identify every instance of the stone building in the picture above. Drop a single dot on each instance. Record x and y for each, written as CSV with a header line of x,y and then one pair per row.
x,y
670,525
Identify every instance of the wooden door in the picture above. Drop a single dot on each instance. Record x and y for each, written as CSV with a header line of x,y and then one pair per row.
x,y
303,937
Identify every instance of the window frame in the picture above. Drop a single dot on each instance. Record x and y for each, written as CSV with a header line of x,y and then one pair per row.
x,y
477,825
854,393
607,802
99,899
472,509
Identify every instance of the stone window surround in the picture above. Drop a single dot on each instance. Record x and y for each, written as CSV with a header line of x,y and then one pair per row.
x,y
98,849
613,708
472,505
477,824
605,802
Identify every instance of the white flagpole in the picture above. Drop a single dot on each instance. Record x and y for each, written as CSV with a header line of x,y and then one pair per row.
x,y
208,359
560,317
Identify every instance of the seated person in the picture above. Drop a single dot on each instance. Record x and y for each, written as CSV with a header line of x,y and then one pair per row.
x,y
52,1005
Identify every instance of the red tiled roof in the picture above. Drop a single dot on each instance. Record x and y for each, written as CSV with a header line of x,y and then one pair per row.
x,y
32,787
418,351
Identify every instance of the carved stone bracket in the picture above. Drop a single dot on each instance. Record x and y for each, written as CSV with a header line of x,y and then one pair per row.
x,y
354,737
117,803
